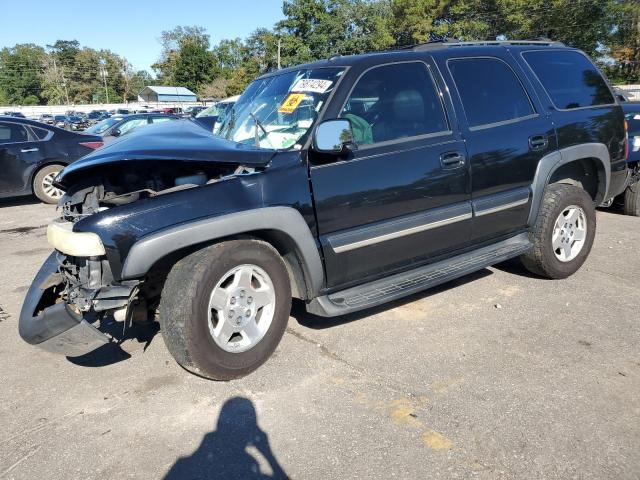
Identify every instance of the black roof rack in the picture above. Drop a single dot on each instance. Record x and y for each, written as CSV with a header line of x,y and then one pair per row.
x,y
459,43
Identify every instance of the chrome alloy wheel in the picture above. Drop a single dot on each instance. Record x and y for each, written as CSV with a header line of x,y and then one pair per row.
x,y
569,233
48,188
241,308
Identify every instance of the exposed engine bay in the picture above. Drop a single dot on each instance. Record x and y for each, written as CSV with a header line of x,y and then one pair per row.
x,y
140,180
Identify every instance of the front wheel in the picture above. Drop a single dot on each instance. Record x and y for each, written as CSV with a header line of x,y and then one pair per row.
x,y
563,234
632,200
224,308
43,184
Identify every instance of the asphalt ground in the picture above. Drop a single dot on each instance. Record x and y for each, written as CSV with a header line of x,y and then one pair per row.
x,y
496,375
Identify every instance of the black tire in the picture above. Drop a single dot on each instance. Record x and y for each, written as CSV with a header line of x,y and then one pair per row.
x,y
632,200
38,183
541,259
185,301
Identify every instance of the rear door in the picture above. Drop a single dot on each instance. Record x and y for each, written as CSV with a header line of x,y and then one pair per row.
x,y
402,197
507,133
19,155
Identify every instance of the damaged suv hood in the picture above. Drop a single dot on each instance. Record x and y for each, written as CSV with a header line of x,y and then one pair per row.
x,y
181,140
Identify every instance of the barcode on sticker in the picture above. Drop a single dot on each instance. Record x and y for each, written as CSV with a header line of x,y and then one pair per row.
x,y
312,85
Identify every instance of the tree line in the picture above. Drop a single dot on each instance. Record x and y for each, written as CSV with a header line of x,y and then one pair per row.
x,y
608,30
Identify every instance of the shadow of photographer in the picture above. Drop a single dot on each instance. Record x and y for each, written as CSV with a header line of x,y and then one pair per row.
x,y
225,453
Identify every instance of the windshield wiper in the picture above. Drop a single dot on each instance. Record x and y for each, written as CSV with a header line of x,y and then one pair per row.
x,y
259,124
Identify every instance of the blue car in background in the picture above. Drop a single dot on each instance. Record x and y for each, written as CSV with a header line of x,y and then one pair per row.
x,y
632,193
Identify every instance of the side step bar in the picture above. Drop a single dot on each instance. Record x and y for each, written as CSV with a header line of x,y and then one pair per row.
x,y
422,278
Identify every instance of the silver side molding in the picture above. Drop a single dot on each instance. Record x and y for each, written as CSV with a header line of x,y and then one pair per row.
x,y
401,233
500,208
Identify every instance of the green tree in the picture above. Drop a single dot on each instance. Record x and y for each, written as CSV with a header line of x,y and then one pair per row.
x,y
172,42
314,29
21,73
194,66
624,43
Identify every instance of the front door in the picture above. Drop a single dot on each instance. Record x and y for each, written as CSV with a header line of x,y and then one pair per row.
x,y
403,196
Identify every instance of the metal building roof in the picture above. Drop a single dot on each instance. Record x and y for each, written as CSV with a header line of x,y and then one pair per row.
x,y
167,90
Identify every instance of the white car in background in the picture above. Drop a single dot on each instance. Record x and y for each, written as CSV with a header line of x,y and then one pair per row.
x,y
212,116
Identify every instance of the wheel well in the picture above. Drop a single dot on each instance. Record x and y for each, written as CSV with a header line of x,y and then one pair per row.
x,y
285,246
586,173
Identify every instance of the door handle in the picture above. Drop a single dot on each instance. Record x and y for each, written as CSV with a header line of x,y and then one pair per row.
x,y
27,150
452,160
538,142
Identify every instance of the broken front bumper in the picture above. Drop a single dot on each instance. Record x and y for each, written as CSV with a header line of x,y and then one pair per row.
x,y
50,324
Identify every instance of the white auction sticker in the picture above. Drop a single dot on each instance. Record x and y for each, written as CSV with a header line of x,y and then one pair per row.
x,y
312,85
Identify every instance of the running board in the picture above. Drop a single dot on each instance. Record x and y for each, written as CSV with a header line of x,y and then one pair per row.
x,y
422,278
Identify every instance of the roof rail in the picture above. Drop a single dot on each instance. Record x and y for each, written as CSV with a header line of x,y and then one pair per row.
x,y
459,43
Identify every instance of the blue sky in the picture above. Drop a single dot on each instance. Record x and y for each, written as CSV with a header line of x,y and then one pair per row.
x,y
130,28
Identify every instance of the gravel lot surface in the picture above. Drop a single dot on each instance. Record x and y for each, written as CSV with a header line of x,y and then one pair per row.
x,y
497,375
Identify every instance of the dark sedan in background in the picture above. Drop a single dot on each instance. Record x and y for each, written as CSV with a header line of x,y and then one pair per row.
x,y
118,125
32,154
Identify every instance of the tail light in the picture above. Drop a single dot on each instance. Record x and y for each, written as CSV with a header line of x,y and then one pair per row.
x,y
92,145
626,139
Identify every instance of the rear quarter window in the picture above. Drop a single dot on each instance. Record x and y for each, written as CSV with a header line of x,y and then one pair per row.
x,y
40,133
569,78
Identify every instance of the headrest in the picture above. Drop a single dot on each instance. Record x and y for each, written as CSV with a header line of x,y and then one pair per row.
x,y
408,106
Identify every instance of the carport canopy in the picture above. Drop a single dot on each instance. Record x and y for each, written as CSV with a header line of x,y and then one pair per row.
x,y
157,94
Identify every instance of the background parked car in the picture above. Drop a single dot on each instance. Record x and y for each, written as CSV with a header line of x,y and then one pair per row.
x,y
32,154
46,118
193,111
631,199
96,116
14,114
76,123
118,125
60,121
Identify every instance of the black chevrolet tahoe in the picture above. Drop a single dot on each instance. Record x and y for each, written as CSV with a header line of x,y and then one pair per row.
x,y
345,183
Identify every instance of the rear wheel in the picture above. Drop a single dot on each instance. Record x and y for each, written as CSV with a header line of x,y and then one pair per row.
x,y
43,184
563,234
224,308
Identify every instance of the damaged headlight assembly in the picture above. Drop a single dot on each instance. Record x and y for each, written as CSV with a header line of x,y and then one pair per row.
x,y
61,236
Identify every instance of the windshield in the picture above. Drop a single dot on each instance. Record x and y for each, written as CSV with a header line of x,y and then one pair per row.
x,y
278,111
103,126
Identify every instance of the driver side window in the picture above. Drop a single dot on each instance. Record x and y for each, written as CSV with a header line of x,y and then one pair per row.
x,y
392,102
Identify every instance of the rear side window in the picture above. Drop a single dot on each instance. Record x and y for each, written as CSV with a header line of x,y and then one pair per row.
x,y
13,133
569,78
40,133
393,102
489,90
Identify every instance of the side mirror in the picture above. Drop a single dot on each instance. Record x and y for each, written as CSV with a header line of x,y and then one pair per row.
x,y
334,136
116,132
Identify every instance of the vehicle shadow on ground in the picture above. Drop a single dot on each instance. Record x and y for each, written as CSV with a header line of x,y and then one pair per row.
x,y
113,352
228,452
515,267
309,320
19,201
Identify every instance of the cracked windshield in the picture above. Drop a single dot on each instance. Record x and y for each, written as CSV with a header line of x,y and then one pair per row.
x,y
276,112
